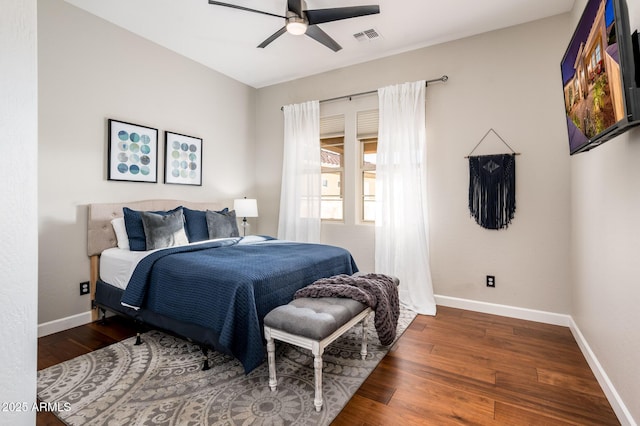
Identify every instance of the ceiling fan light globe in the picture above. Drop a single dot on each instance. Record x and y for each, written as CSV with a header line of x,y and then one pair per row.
x,y
296,27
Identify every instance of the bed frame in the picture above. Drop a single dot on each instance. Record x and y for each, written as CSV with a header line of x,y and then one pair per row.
x,y
101,236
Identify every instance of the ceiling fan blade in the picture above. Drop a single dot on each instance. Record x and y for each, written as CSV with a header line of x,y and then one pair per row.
x,y
246,9
273,37
323,38
295,6
319,16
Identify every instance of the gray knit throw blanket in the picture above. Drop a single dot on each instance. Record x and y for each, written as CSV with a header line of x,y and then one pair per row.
x,y
377,291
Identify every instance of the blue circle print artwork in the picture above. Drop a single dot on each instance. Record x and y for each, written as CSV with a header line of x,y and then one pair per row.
x,y
133,152
183,159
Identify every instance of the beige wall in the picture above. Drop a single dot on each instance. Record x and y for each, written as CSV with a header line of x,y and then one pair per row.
x,y
605,246
18,192
89,71
507,80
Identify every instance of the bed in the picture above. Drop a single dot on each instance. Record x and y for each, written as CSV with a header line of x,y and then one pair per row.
x,y
213,292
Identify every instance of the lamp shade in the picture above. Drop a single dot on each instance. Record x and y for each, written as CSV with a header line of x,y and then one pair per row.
x,y
246,207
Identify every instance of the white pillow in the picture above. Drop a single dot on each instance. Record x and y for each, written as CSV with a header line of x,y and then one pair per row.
x,y
121,233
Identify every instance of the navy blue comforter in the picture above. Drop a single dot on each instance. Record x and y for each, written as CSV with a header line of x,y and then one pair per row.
x,y
229,285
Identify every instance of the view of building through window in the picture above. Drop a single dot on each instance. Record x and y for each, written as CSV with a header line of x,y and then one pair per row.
x,y
332,161
368,165
367,135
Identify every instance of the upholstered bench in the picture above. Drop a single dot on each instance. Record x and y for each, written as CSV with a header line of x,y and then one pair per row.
x,y
313,323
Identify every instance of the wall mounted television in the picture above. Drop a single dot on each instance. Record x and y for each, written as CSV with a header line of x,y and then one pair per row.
x,y
599,75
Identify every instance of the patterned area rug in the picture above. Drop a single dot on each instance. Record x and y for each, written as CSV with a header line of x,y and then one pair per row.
x,y
161,382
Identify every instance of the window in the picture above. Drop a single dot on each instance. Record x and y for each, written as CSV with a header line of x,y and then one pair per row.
x,y
332,163
348,163
332,160
367,126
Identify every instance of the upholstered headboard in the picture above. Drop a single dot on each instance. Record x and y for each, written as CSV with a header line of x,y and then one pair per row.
x,y
100,234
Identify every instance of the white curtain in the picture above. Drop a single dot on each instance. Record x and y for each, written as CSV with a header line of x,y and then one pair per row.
x,y
301,174
402,228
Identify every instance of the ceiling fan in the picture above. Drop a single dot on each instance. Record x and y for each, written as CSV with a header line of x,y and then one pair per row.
x,y
304,21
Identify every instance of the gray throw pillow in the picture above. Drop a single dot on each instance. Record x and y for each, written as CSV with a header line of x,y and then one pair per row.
x,y
222,225
164,230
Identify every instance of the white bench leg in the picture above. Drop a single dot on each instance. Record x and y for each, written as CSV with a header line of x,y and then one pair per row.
x,y
271,357
317,370
363,348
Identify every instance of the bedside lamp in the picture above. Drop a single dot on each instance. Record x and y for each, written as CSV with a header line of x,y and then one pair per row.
x,y
245,207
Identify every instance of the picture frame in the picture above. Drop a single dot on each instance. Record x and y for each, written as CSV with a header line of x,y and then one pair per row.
x,y
183,159
132,152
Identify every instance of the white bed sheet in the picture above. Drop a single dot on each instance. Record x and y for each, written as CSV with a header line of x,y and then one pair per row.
x,y
117,265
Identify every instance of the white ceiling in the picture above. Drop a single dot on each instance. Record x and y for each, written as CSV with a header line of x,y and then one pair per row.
x,y
225,39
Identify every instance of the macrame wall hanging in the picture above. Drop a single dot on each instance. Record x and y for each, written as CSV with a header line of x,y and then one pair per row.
x,y
492,187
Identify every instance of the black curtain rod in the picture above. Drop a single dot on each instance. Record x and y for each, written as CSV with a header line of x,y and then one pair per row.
x,y
370,92
443,79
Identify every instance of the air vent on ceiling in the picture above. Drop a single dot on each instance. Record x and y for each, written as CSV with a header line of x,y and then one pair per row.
x,y
367,35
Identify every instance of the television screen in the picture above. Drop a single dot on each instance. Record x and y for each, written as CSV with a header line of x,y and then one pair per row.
x,y
593,76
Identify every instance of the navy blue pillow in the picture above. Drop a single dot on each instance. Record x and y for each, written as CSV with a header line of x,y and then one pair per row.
x,y
196,224
135,228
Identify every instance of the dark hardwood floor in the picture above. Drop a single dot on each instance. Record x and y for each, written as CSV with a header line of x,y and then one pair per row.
x,y
459,367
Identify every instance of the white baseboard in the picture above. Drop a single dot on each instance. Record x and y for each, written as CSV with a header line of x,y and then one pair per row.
x,y
504,310
609,390
607,387
62,324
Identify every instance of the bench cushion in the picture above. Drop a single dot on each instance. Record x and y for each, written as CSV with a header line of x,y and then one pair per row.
x,y
315,318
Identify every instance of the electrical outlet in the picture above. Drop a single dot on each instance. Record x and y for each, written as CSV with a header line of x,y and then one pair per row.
x,y
491,281
84,288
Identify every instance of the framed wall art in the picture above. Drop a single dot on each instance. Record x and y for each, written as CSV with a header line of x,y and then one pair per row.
x,y
133,152
183,159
